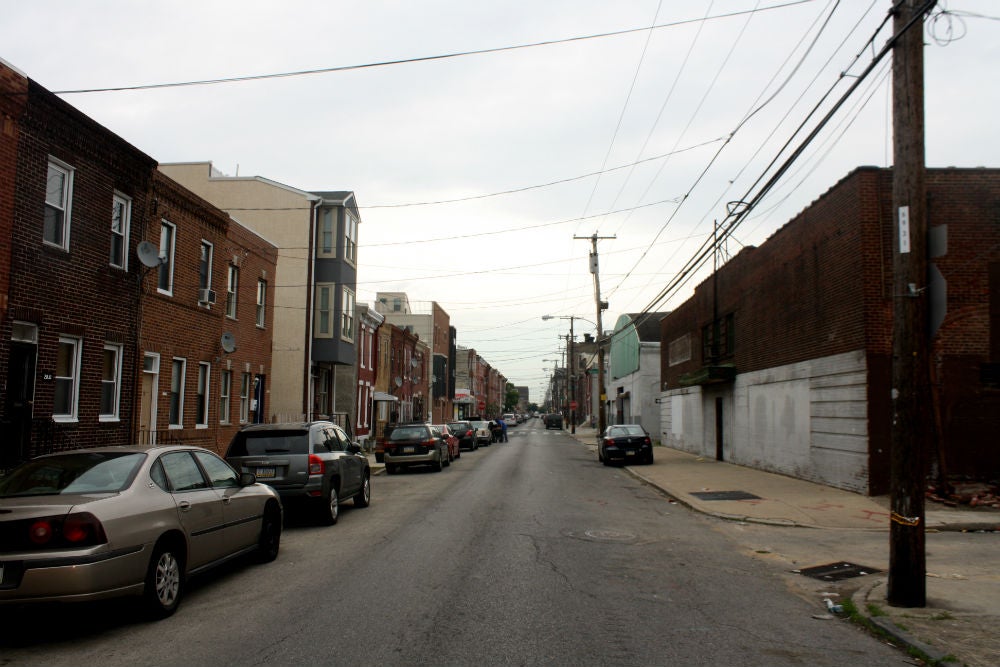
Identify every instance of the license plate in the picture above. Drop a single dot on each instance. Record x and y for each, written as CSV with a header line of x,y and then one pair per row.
x,y
265,473
630,453
409,450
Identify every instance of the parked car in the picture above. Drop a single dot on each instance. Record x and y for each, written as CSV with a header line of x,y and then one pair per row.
x,y
115,521
452,439
553,420
625,442
510,419
483,434
466,434
415,445
313,464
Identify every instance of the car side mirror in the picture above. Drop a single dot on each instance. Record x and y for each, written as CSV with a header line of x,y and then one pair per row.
x,y
354,448
247,478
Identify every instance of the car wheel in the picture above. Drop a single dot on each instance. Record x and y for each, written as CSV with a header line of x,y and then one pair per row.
x,y
605,460
270,535
164,582
438,463
649,459
364,497
448,459
330,511
600,456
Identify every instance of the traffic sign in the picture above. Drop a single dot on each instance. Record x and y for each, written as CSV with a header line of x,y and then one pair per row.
x,y
572,405
481,405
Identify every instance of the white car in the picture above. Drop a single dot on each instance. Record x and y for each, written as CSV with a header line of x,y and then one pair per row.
x,y
483,434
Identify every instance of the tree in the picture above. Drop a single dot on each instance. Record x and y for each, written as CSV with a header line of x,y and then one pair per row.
x,y
510,398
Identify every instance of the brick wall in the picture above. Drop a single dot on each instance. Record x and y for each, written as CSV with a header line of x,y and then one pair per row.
x,y
74,292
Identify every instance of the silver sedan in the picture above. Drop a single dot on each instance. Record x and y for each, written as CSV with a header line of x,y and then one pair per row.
x,y
116,521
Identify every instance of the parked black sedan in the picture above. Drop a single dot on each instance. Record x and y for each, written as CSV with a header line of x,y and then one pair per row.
x,y
627,443
466,434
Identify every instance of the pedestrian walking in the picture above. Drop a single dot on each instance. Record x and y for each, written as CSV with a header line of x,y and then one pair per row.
x,y
503,429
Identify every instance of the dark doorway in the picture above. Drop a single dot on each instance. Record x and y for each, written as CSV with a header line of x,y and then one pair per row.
x,y
16,444
718,429
258,400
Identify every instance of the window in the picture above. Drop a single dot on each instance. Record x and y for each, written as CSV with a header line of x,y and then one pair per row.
x,y
205,265
225,385
182,473
219,473
232,285
245,384
718,339
111,377
168,239
67,379
326,236
323,326
261,301
121,218
347,316
175,418
350,237
322,391
58,197
204,373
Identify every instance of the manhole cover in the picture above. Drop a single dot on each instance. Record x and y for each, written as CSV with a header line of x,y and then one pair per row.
x,y
837,571
725,495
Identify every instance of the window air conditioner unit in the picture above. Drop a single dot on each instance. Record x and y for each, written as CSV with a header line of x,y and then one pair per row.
x,y
206,296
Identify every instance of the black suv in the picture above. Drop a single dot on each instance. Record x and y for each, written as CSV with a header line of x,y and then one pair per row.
x,y
553,420
314,462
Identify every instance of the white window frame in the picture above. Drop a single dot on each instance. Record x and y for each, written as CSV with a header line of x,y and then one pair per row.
x,y
167,247
115,382
205,278
204,393
64,206
326,230
324,314
73,379
350,237
225,389
347,315
232,290
178,379
246,384
121,211
261,302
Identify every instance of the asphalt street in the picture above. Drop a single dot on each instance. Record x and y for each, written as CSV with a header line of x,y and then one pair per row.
x,y
524,553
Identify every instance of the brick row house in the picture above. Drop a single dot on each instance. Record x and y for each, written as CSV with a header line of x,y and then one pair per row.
x,y
793,374
79,303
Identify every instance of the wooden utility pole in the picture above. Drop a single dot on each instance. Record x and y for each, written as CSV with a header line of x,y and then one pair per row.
x,y
911,424
602,418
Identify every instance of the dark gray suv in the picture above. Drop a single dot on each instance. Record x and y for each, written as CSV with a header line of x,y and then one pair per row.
x,y
305,462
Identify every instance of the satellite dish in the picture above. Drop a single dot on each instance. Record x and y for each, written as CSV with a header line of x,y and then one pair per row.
x,y
398,381
149,254
414,363
228,343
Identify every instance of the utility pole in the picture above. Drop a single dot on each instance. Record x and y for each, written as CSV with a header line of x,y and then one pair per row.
x,y
602,419
910,371
571,367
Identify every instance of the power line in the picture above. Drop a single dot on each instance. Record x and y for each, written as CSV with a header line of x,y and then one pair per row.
x,y
404,61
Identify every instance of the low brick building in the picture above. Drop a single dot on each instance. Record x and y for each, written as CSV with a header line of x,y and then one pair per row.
x,y
794,373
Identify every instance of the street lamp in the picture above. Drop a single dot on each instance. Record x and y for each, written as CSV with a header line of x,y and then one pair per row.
x,y
572,364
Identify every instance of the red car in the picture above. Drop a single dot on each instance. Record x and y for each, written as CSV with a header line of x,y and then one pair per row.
x,y
454,451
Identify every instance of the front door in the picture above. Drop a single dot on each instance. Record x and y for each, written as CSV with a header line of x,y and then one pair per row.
x,y
258,399
147,404
18,408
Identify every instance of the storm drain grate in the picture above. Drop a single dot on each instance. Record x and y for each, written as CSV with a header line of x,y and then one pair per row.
x,y
725,495
837,571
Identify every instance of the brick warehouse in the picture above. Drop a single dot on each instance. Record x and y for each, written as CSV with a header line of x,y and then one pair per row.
x,y
197,387
798,380
67,337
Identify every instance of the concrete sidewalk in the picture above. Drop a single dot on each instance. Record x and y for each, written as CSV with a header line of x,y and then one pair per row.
x,y
744,494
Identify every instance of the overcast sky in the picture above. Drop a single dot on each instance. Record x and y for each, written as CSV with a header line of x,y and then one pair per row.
x,y
644,135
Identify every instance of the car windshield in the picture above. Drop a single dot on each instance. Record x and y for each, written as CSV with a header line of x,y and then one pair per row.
x,y
84,472
479,424
619,431
408,433
459,426
260,443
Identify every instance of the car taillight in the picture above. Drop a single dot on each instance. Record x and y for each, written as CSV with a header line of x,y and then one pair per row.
x,y
430,443
61,532
609,442
647,441
469,434
316,465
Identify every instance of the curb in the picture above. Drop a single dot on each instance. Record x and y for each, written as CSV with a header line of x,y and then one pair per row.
x,y
885,625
